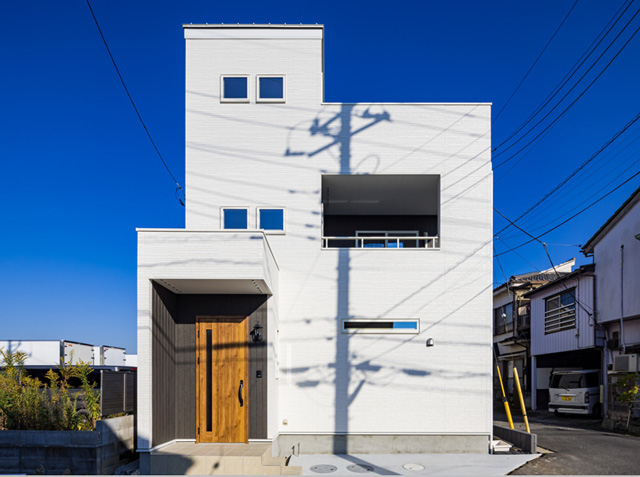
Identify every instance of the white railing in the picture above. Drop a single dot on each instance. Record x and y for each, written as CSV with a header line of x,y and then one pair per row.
x,y
383,241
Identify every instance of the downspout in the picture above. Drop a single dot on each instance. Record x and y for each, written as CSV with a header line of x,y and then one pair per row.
x,y
624,348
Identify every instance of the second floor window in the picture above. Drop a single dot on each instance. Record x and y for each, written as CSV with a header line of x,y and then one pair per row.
x,y
235,218
270,219
503,319
560,312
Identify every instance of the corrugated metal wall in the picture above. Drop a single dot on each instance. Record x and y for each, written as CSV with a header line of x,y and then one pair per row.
x,y
580,337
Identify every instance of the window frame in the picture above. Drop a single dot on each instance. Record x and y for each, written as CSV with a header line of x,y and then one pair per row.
x,y
503,325
223,208
235,100
380,331
271,100
566,322
272,231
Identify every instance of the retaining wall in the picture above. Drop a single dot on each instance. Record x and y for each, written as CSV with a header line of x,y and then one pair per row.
x,y
75,452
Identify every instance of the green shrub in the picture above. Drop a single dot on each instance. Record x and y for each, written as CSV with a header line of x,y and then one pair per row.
x,y
28,404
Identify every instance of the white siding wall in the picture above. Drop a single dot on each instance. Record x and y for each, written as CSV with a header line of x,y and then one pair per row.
x,y
607,260
567,340
268,155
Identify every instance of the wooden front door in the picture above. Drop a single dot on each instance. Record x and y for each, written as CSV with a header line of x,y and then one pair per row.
x,y
222,376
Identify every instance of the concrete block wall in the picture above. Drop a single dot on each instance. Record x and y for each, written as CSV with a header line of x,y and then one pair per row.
x,y
76,452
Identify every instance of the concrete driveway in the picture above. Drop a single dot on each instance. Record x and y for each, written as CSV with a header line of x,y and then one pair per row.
x,y
579,445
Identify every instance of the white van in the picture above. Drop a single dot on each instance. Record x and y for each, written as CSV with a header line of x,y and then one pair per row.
x,y
575,392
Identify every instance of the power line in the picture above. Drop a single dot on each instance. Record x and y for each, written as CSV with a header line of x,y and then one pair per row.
x,y
573,70
577,187
594,194
570,218
535,62
561,115
546,251
582,166
104,40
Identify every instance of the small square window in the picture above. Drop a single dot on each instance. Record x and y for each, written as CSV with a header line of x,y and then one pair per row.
x,y
271,88
271,219
235,88
235,218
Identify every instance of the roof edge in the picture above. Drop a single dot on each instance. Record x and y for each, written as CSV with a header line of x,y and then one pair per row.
x,y
589,246
584,269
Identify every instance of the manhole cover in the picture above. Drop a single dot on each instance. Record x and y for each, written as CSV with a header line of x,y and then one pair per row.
x,y
323,469
413,466
360,468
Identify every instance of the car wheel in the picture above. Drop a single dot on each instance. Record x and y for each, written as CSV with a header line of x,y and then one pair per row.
x,y
555,411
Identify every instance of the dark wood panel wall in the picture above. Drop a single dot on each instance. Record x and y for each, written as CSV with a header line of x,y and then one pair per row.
x,y
164,313
179,372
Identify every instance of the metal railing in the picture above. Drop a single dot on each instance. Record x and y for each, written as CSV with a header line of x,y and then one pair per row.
x,y
381,241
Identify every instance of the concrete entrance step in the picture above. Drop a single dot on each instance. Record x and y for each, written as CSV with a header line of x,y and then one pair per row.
x,y
189,458
500,446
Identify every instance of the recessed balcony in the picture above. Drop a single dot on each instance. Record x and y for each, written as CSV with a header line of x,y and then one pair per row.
x,y
381,211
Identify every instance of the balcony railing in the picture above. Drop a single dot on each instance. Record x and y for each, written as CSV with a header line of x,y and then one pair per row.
x,y
381,241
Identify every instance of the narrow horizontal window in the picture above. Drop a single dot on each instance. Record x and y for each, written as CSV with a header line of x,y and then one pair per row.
x,y
235,218
381,326
271,219
271,88
235,88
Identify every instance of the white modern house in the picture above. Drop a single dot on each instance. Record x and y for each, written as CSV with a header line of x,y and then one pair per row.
x,y
564,330
615,249
331,291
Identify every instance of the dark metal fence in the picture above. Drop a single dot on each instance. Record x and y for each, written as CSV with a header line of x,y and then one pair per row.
x,y
118,390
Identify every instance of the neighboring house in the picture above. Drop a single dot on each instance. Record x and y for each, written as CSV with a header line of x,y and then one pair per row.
x,y
564,334
615,249
511,325
331,291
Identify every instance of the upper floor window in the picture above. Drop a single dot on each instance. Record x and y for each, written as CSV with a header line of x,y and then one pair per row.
x,y
271,88
234,88
235,218
503,319
270,219
560,312
381,211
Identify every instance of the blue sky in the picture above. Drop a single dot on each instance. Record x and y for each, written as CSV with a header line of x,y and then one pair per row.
x,y
80,174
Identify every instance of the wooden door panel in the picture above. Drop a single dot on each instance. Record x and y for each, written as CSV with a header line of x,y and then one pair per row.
x,y
220,368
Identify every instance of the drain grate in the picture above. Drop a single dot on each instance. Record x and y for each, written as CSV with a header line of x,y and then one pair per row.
x,y
360,468
413,466
323,469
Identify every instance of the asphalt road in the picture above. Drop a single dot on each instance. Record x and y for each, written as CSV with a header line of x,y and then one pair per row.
x,y
579,446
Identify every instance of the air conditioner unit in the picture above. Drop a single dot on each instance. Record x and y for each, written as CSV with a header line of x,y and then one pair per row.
x,y
626,363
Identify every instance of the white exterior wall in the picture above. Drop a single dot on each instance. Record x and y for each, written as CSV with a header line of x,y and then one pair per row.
x,y
607,260
580,337
265,155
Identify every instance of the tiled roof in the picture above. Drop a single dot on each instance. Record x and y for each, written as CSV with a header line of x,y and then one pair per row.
x,y
538,277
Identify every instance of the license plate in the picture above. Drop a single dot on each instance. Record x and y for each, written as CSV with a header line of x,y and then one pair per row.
x,y
566,398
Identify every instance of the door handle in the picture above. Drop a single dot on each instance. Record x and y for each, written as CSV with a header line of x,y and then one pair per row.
x,y
240,393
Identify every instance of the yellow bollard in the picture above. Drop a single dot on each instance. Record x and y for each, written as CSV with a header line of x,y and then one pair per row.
x,y
504,398
524,409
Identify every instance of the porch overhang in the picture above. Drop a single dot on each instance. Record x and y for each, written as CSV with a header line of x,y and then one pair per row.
x,y
208,262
